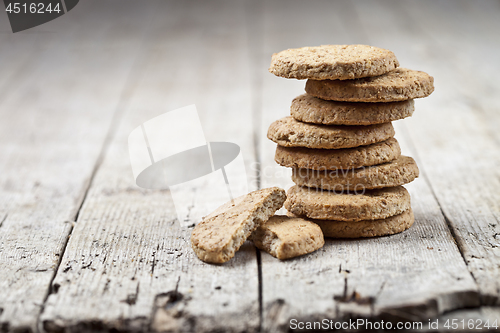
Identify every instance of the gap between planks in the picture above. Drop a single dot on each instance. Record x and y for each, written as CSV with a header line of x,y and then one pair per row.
x,y
122,103
114,203
254,33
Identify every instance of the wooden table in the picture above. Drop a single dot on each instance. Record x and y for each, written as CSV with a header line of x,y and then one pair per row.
x,y
83,248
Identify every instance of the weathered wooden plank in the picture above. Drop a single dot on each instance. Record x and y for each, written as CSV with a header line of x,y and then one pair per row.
x,y
455,131
54,122
129,264
415,275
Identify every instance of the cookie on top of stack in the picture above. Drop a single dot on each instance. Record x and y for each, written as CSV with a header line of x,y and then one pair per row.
x,y
347,165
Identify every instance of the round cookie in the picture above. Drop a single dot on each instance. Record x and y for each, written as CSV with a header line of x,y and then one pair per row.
x,y
352,206
287,237
310,109
402,170
367,228
332,159
288,132
398,85
333,62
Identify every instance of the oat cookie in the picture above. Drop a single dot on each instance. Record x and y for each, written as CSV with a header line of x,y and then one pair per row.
x,y
286,237
398,85
310,109
333,62
402,170
352,206
332,159
219,235
367,228
289,132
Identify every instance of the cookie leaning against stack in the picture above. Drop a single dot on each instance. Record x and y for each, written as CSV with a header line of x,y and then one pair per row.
x,y
339,139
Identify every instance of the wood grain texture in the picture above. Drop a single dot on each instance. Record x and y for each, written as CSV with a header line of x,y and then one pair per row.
x,y
415,275
455,131
129,265
54,123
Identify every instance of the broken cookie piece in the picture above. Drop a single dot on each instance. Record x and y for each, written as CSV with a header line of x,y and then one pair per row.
x,y
287,237
219,235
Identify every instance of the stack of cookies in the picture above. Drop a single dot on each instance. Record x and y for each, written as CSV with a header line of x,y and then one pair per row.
x,y
347,165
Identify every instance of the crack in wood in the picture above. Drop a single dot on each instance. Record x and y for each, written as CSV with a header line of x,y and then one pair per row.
x,y
380,291
154,260
51,288
3,219
132,298
260,288
106,286
355,297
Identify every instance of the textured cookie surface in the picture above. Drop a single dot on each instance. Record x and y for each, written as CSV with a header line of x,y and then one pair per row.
x,y
398,85
286,237
402,170
219,235
310,109
332,159
289,132
353,206
367,228
333,62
